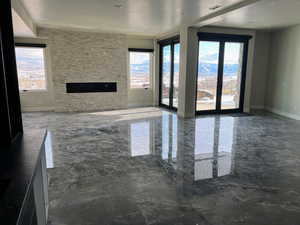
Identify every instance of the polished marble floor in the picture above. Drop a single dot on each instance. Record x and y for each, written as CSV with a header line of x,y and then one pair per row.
x,y
146,166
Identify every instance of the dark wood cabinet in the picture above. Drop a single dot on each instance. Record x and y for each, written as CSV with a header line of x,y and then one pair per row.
x,y
24,201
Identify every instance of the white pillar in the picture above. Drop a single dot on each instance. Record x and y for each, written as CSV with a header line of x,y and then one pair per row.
x,y
188,72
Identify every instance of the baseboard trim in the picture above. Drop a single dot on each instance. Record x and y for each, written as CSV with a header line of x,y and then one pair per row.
x,y
282,113
38,109
257,107
140,105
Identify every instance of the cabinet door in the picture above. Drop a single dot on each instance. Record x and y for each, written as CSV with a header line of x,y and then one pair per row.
x,y
28,209
39,193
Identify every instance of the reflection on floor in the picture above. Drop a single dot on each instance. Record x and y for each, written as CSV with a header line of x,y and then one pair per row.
x,y
146,166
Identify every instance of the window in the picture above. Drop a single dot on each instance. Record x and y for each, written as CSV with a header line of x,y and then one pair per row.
x,y
31,68
169,72
221,73
140,62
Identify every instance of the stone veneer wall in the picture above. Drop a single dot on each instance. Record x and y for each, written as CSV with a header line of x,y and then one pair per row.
x,y
87,57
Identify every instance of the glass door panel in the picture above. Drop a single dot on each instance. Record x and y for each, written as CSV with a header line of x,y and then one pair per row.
x,y
166,75
232,73
176,74
222,63
207,81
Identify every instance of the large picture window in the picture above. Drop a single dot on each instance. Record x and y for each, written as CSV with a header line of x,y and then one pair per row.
x,y
31,68
140,62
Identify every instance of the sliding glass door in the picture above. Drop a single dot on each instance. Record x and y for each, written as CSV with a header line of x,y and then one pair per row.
x,y
166,75
207,75
169,73
222,65
232,74
176,74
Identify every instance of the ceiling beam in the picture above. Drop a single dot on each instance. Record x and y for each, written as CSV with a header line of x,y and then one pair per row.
x,y
212,17
22,12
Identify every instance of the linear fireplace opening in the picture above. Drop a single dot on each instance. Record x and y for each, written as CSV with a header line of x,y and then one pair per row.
x,y
91,87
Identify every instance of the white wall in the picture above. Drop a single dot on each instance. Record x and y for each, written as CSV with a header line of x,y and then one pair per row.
x,y
260,69
141,97
39,100
188,72
284,73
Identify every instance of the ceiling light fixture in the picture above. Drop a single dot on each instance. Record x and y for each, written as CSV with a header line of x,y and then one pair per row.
x,y
118,5
215,7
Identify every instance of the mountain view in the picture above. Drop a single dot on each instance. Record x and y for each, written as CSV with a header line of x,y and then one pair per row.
x,y
207,68
30,67
207,75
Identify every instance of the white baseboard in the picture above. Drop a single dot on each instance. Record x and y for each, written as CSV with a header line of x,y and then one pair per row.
x,y
140,105
38,109
246,109
282,113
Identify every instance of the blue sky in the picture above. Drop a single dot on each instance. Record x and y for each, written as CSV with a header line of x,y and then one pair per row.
x,y
209,48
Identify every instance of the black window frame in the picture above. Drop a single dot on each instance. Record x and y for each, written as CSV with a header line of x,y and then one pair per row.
x,y
33,45
222,39
170,41
143,50
30,45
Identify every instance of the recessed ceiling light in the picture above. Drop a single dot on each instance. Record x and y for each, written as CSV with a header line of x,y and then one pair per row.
x,y
215,7
118,5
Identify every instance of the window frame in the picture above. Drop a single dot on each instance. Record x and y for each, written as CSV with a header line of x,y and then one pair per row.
x,y
141,50
32,46
222,39
172,41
